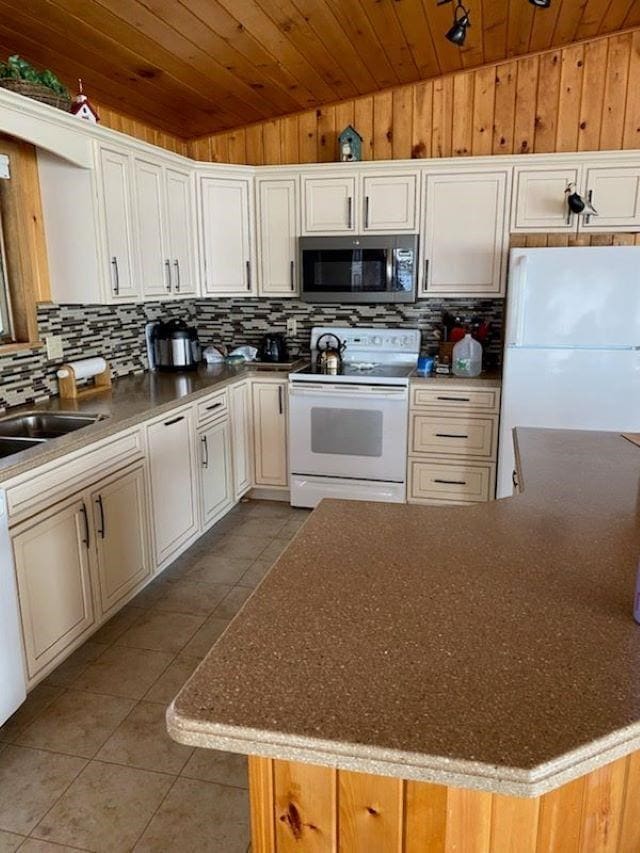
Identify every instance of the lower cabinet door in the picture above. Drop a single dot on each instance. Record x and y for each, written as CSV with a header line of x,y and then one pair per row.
x,y
241,437
51,554
120,522
270,433
215,471
174,507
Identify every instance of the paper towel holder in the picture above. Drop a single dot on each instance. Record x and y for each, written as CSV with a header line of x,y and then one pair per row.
x,y
68,384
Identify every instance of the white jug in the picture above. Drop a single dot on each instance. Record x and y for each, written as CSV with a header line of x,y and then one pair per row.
x,y
467,357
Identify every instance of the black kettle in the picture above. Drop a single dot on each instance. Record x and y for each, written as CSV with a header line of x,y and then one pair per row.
x,y
273,348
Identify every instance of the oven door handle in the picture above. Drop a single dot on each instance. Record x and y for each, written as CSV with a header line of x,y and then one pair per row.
x,y
355,392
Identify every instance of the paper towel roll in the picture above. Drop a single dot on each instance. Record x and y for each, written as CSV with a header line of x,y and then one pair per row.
x,y
86,368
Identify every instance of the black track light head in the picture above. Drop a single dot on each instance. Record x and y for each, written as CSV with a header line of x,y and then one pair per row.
x,y
541,4
461,23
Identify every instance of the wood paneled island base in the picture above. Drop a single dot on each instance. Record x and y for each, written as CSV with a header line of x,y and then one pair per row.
x,y
312,809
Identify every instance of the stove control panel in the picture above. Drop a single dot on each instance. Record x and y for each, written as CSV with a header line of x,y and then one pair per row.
x,y
404,342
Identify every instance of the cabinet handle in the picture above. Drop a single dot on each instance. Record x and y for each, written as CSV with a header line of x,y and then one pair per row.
x,y
366,211
213,406
292,274
280,400
116,275
248,275
456,399
167,266
425,283
587,218
174,420
514,479
176,264
205,448
451,482
101,531
85,515
350,213
450,435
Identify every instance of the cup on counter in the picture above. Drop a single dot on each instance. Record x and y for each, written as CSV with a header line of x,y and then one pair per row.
x,y
425,365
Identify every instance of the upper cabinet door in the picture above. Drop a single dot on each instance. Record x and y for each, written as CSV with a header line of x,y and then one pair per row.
x,y
277,236
329,205
153,257
225,237
539,199
389,202
116,214
465,238
615,193
181,230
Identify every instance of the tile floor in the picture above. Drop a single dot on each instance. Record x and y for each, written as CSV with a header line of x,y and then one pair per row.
x,y
86,763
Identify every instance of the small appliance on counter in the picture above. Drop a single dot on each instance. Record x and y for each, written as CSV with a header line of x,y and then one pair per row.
x,y
273,349
172,345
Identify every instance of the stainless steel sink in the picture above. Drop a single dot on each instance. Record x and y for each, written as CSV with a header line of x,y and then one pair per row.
x,y
43,425
9,446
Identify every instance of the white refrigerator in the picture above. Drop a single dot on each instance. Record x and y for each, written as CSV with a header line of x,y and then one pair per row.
x,y
572,344
12,677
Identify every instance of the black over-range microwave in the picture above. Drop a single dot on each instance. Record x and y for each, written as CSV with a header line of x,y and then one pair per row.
x,y
359,269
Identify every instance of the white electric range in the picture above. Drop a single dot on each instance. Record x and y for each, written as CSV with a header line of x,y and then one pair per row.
x,y
348,432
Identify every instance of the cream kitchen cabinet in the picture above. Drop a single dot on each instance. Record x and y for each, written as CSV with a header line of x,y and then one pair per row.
x,y
540,201
173,483
121,533
464,239
389,202
241,437
52,560
117,218
269,399
216,495
226,228
277,233
181,231
329,204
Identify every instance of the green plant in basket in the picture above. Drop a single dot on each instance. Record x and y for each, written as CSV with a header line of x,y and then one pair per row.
x,y
16,68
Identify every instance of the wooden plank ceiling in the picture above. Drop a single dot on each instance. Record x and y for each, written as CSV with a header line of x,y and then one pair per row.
x,y
193,67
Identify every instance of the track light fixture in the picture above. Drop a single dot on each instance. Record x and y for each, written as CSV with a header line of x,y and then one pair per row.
x,y
541,4
461,23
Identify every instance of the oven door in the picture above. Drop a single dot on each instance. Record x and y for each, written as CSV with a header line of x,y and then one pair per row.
x,y
352,431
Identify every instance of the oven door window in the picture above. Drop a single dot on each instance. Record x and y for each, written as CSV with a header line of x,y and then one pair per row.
x,y
346,432
346,270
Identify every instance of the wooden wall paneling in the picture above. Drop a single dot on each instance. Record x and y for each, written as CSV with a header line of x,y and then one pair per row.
x,y
521,17
570,94
307,137
630,829
419,36
494,19
631,138
262,804
615,92
425,818
220,148
591,18
602,808
392,39
363,117
504,107
561,818
543,28
255,145
401,123
289,142
514,824
468,821
421,123
370,813
327,141
525,113
592,95
462,126
271,142
383,126
548,99
442,117
345,115
305,807
237,141
484,97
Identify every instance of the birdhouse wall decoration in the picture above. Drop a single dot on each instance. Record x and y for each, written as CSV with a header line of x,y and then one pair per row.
x,y
81,106
350,145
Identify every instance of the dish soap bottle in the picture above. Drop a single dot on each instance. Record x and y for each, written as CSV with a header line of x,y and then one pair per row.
x,y
467,357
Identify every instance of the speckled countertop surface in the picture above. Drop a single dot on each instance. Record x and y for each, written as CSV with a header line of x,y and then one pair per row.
x,y
132,400
486,647
490,379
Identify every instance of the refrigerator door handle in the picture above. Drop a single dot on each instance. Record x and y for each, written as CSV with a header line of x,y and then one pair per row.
x,y
516,322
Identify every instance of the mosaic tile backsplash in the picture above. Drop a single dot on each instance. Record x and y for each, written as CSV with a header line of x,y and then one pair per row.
x,y
117,332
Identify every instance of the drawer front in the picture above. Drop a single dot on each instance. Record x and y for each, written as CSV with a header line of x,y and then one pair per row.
x,y
213,406
454,398
450,482
55,480
455,436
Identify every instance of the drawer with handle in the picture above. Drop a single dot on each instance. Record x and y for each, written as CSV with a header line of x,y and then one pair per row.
x,y
213,406
464,435
450,482
453,398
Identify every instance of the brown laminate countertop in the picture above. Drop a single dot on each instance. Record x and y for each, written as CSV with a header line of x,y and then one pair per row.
x,y
132,400
488,647
490,379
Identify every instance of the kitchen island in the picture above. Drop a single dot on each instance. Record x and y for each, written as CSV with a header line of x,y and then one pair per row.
x,y
444,678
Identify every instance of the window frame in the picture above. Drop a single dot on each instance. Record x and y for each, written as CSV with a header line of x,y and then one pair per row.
x,y
7,334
